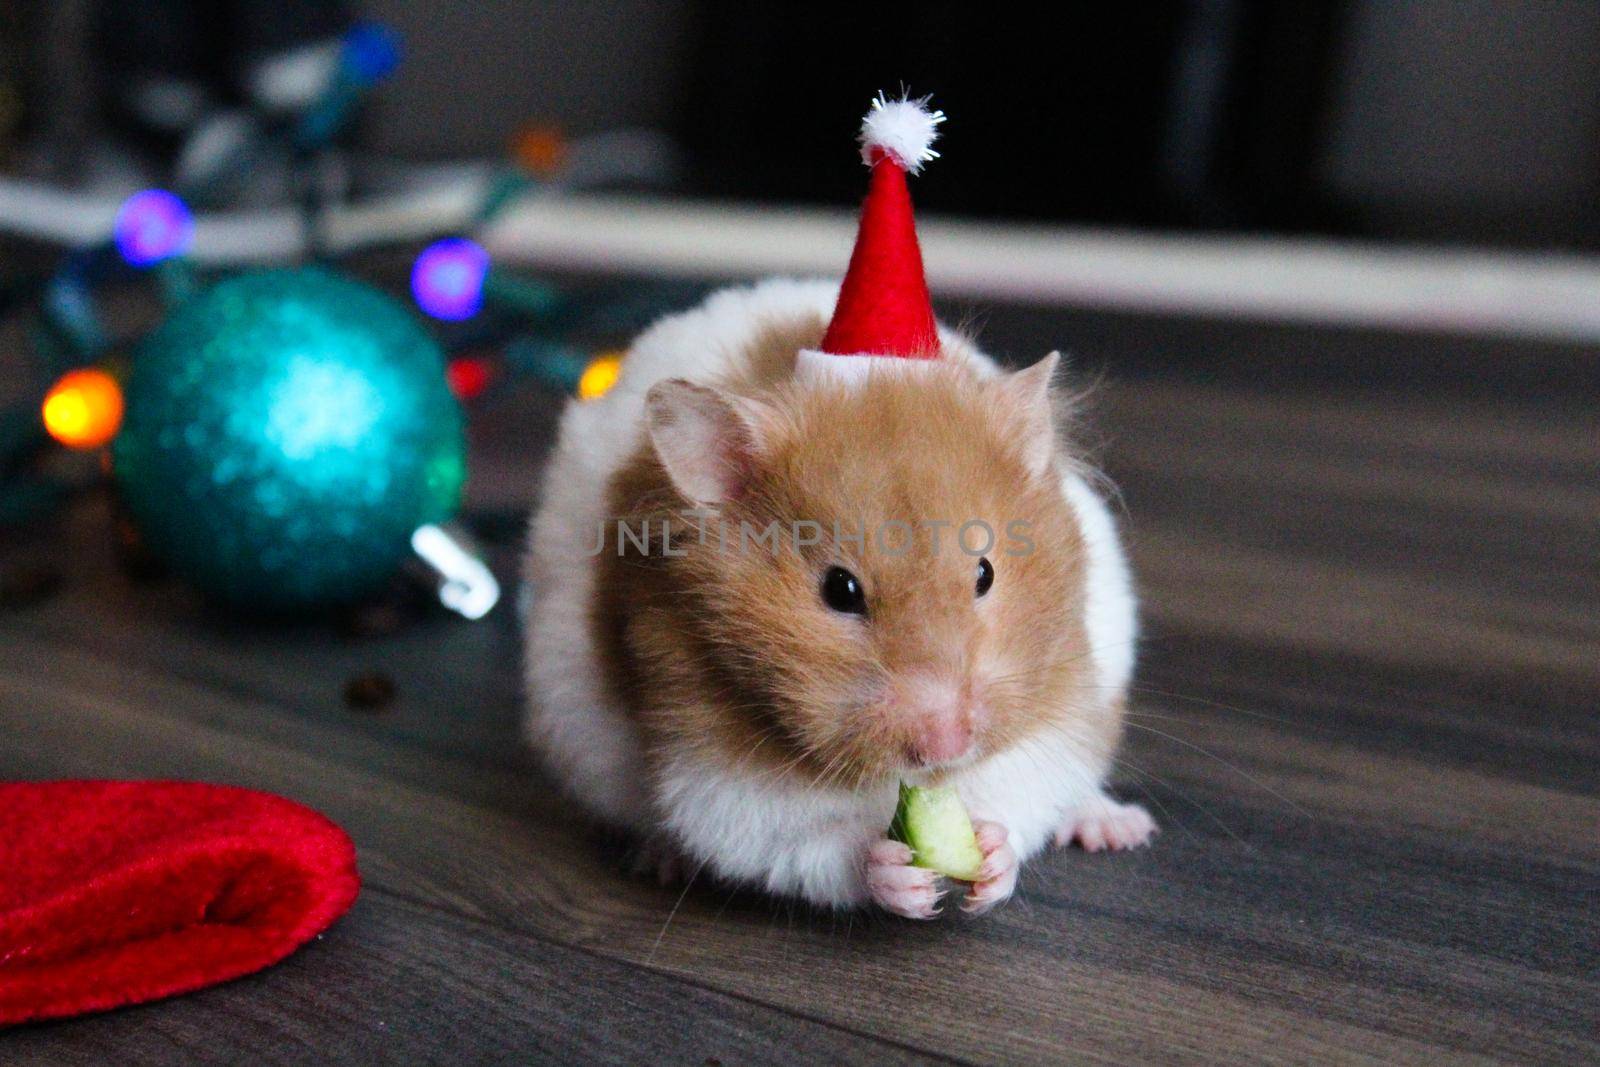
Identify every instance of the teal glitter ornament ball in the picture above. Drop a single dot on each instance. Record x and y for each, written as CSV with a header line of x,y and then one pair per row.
x,y
285,433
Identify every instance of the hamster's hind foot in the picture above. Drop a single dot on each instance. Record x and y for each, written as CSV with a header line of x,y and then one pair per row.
x,y
662,862
1104,824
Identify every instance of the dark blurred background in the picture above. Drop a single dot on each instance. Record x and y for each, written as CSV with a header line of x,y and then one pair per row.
x,y
1473,121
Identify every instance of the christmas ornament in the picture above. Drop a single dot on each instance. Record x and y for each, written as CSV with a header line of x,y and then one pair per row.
x,y
286,433
522,332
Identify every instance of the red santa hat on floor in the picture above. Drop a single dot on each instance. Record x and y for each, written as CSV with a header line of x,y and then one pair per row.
x,y
115,893
883,315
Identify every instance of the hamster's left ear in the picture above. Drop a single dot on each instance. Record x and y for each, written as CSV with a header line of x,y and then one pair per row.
x,y
1027,394
708,441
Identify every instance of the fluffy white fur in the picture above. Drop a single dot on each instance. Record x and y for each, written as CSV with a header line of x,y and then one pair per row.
x,y
742,825
821,368
903,129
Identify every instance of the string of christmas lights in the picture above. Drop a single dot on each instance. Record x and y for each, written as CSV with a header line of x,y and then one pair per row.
x,y
265,436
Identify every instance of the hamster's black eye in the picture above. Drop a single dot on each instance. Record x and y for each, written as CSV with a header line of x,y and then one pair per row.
x,y
985,576
842,591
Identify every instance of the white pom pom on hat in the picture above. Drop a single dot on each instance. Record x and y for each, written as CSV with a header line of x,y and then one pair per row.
x,y
904,130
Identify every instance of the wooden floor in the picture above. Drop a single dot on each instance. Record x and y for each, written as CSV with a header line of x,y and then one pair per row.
x,y
1367,718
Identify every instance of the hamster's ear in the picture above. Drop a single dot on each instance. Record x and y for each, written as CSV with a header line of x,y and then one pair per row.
x,y
708,441
1028,396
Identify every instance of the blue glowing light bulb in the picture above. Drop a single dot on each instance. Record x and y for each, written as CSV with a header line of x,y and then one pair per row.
x,y
447,278
151,226
371,51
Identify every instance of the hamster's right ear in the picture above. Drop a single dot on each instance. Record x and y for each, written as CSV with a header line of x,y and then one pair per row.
x,y
708,441
1028,395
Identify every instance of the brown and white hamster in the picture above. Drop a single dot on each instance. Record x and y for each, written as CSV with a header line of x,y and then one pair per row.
x,y
733,697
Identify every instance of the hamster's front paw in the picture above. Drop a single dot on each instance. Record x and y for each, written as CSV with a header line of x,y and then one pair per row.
x,y
1104,824
997,878
895,885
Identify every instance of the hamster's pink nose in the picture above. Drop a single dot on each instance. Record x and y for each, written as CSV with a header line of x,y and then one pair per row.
x,y
939,718
941,739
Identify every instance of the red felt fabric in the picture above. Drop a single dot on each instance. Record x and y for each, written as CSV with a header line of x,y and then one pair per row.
x,y
883,307
113,893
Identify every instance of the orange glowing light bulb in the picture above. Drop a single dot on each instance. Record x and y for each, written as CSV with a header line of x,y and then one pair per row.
x,y
83,409
539,150
600,375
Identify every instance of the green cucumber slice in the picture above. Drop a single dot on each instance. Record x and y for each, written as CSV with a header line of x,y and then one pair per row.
x,y
934,822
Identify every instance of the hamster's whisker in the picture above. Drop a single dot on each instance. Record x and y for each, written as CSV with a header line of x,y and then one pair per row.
x,y
688,885
1054,761
1235,768
766,735
1139,774
1029,672
1133,768
1207,702
1147,690
1188,720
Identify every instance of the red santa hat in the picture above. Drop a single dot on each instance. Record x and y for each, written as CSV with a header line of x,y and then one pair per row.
x,y
114,893
883,308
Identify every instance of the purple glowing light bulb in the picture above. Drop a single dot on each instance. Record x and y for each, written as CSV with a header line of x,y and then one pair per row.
x,y
447,278
151,226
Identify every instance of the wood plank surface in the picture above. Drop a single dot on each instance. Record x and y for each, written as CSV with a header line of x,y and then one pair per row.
x,y
1366,717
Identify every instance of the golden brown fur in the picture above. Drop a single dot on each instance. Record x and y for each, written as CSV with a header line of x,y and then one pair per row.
x,y
730,648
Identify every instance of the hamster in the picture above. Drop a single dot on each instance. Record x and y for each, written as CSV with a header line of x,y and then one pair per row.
x,y
750,703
